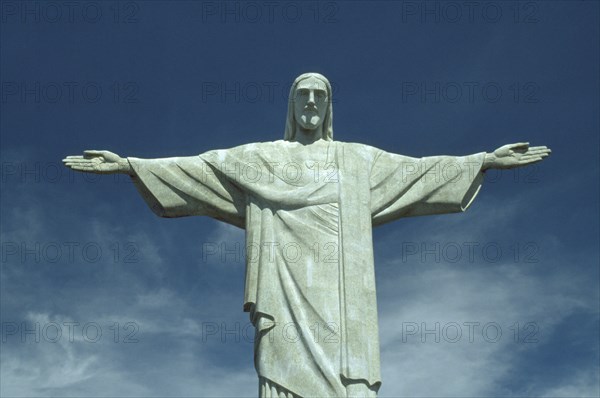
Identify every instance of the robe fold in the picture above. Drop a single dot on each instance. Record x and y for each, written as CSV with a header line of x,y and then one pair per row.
x,y
308,211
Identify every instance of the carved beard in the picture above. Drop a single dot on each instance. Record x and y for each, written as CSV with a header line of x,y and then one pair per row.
x,y
310,119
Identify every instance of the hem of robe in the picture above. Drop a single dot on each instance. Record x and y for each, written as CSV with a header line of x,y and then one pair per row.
x,y
146,194
356,389
270,389
473,191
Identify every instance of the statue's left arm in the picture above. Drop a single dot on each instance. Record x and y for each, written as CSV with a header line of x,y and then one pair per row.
x,y
515,155
403,186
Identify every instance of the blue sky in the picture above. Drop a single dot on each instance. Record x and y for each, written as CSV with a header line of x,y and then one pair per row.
x,y
154,79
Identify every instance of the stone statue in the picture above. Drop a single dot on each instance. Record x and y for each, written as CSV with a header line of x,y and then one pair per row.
x,y
308,204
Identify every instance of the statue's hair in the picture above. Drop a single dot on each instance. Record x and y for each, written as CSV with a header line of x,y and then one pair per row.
x,y
290,123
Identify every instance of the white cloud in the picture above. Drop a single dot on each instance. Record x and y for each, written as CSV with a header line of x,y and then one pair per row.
x,y
419,292
53,362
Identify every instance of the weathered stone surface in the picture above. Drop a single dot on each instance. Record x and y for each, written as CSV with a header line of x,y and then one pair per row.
x,y
308,205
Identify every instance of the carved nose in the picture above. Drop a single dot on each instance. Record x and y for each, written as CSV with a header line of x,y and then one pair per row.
x,y
311,97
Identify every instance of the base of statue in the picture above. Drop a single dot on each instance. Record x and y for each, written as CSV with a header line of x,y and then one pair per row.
x,y
269,389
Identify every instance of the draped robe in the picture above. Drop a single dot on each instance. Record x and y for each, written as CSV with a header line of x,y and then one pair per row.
x,y
308,211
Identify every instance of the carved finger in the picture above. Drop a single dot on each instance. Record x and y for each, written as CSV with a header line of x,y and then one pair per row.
x,y
544,154
90,154
530,160
539,147
82,168
89,162
530,157
82,164
538,152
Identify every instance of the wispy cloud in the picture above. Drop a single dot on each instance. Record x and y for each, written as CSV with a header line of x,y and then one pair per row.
x,y
419,297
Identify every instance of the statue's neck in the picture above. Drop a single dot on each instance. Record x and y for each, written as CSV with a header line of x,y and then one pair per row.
x,y
307,137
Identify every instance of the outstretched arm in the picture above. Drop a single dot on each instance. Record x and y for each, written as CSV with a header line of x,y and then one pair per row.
x,y
172,187
99,162
515,155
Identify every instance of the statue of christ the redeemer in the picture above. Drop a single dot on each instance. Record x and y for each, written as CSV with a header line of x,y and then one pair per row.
x,y
308,205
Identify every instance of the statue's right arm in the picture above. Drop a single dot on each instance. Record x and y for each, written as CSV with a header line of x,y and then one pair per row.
x,y
99,162
515,155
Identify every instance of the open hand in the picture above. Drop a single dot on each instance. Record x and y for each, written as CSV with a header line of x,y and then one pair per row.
x,y
515,155
99,162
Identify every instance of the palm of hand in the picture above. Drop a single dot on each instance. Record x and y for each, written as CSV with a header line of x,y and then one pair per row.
x,y
100,162
517,155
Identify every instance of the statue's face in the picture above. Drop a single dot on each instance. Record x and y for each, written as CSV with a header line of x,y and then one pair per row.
x,y
310,103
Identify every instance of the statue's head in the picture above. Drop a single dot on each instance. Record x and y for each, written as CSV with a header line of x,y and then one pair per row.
x,y
309,107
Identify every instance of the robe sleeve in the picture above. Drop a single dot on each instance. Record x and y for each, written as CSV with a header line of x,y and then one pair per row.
x,y
188,186
403,186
